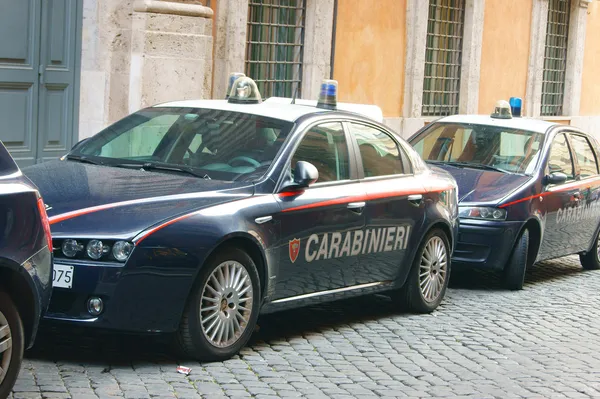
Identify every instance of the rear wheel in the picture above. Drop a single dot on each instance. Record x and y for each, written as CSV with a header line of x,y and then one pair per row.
x,y
12,344
428,279
514,271
222,311
591,260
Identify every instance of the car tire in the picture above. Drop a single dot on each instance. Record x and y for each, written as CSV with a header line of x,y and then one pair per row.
x,y
422,293
12,338
514,271
215,326
591,260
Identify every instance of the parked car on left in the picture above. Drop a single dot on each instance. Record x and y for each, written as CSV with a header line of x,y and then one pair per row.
x,y
25,267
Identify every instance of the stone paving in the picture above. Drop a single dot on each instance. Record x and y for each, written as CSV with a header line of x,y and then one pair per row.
x,y
483,342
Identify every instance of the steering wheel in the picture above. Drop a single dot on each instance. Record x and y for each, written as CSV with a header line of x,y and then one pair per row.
x,y
245,159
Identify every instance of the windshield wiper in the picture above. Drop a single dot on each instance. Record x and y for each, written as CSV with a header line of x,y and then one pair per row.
x,y
84,159
169,168
476,166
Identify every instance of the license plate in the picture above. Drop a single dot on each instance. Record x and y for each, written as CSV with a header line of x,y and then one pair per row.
x,y
63,276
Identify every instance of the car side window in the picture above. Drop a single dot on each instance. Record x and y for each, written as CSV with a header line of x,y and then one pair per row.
x,y
560,159
325,147
379,152
588,165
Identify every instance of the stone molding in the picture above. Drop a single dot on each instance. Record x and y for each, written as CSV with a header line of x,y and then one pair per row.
x,y
471,57
535,69
166,7
417,13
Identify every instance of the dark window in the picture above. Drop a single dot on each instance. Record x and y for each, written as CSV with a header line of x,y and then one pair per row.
x,y
443,57
588,166
379,152
560,157
326,148
555,57
274,46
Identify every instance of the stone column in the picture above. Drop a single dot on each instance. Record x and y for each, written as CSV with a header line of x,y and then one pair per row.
x,y
575,52
471,57
171,53
535,72
318,31
230,42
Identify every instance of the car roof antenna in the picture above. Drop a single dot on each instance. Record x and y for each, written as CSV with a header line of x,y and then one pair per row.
x,y
295,94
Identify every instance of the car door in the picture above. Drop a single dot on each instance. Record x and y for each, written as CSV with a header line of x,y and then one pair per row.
x,y
315,255
585,220
559,201
394,207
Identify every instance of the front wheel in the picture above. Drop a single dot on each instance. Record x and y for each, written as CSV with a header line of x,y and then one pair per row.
x,y
12,344
591,260
223,308
426,284
514,271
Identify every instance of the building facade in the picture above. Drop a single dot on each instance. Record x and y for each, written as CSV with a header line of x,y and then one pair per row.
x,y
68,68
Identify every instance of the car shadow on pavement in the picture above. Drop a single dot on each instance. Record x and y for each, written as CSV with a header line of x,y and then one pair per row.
x,y
542,272
58,343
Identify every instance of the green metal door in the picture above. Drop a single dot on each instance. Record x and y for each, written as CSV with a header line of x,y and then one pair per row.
x,y
39,77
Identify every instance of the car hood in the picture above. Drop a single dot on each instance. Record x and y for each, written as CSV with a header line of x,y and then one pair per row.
x,y
85,200
476,185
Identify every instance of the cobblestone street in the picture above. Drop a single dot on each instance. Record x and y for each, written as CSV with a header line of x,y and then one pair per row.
x,y
483,342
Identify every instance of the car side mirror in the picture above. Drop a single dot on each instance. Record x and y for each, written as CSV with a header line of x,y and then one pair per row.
x,y
305,174
555,178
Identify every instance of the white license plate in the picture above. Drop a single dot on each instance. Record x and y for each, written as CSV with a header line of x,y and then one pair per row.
x,y
63,276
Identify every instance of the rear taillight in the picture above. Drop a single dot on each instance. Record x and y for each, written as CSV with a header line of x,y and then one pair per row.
x,y
45,222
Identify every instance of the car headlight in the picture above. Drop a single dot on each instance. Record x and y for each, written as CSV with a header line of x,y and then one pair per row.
x,y
481,212
121,250
105,250
70,248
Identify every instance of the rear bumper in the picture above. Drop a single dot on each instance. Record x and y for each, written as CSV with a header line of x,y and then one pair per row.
x,y
484,244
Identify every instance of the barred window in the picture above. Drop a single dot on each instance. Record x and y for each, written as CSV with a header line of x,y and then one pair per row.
x,y
555,57
443,57
274,46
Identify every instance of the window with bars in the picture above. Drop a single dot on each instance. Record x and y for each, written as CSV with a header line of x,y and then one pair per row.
x,y
441,86
274,46
555,57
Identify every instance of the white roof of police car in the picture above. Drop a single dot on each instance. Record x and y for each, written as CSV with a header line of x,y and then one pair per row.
x,y
530,124
271,109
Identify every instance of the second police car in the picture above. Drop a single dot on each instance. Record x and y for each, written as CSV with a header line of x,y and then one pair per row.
x,y
193,217
529,189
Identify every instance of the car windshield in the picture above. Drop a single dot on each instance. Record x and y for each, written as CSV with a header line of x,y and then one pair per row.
x,y
215,144
480,146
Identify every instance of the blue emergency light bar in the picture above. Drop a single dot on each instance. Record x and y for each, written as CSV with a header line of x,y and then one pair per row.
x,y
328,94
516,104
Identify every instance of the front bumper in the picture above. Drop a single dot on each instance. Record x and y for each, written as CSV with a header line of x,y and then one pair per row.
x,y
484,244
146,294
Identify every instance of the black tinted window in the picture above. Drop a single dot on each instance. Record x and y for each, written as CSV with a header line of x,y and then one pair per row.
x,y
379,152
560,157
588,166
326,148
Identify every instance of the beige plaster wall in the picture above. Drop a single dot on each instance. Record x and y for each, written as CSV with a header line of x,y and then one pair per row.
x,y
505,52
590,91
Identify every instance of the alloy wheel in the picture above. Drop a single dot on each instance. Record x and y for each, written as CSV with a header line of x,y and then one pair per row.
x,y
5,347
433,269
226,304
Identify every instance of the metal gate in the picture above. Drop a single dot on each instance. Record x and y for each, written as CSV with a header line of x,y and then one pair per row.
x,y
40,48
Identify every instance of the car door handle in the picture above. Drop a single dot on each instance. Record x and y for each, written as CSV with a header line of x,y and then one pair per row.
x,y
415,198
356,207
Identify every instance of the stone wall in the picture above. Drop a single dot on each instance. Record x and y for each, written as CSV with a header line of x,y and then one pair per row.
x,y
139,53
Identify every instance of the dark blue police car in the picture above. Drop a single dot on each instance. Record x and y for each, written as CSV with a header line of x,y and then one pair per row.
x,y
195,216
529,189
25,267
